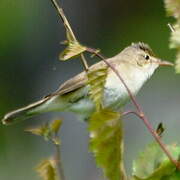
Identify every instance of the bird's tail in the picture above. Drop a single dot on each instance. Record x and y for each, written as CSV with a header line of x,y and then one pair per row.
x,y
24,113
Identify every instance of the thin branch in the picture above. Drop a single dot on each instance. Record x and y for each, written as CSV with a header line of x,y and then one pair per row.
x,y
129,112
63,18
69,30
57,157
86,67
94,51
58,161
139,112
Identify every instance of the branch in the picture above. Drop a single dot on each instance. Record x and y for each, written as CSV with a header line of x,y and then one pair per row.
x,y
139,112
57,159
69,31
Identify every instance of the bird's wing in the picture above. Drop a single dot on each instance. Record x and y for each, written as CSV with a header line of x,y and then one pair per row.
x,y
77,81
72,84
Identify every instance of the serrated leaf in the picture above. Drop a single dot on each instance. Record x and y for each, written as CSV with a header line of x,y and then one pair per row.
x,y
46,169
97,80
153,164
106,142
173,8
55,125
73,49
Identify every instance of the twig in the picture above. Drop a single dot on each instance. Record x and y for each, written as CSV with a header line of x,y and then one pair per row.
x,y
86,67
57,157
129,112
139,112
58,161
68,29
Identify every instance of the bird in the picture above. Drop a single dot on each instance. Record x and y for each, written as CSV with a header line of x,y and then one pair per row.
x,y
135,63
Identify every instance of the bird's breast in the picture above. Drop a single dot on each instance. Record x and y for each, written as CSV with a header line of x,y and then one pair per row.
x,y
115,92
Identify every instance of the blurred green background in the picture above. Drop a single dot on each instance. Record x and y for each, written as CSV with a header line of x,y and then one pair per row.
x,y
30,36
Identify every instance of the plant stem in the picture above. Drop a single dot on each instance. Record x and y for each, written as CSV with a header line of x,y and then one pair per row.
x,y
58,161
69,29
139,112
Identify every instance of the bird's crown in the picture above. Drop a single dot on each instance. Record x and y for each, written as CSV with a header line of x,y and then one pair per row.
x,y
144,47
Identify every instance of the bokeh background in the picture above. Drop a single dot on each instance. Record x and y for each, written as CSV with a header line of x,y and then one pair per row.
x,y
30,36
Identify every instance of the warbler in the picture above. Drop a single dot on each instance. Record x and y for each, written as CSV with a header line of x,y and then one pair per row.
x,y
136,64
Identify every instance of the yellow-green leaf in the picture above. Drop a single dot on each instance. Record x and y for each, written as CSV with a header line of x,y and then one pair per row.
x,y
106,142
46,169
97,80
40,131
153,164
55,125
73,49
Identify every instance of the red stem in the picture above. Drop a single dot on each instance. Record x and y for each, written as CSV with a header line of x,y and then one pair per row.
x,y
139,112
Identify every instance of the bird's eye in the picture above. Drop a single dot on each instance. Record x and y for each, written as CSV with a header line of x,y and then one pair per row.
x,y
146,57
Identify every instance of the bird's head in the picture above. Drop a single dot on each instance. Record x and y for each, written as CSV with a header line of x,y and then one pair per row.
x,y
141,56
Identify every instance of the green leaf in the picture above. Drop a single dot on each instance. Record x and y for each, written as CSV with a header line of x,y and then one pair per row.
x,y
55,125
46,169
97,80
73,49
106,142
153,164
48,131
41,131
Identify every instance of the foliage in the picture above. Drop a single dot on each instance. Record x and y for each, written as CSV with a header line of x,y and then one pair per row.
x,y
47,170
153,164
97,80
173,9
105,125
73,48
48,130
106,142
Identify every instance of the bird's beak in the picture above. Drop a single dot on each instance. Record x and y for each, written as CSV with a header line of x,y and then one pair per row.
x,y
165,63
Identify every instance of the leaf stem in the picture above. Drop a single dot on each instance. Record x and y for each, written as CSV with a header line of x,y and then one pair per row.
x,y
139,112
57,159
68,29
